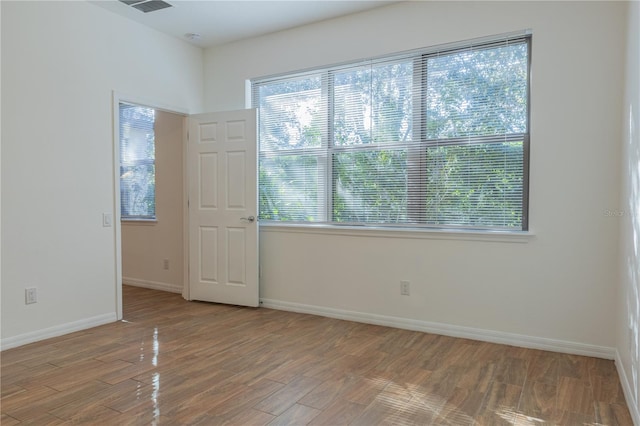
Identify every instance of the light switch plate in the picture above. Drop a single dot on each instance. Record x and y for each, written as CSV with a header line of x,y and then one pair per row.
x,y
107,220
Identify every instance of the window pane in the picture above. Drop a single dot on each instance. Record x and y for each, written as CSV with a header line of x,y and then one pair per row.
x,y
137,159
291,114
477,92
370,186
289,188
421,139
137,189
373,105
475,185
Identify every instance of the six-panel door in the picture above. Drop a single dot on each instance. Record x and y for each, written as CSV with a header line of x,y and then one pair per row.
x,y
223,231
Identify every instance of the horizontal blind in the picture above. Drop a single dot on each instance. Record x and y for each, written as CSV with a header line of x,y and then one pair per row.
x,y
292,139
476,122
372,126
137,162
431,138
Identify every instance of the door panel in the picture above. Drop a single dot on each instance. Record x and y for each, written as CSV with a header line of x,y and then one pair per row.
x,y
222,206
236,177
209,252
236,240
208,181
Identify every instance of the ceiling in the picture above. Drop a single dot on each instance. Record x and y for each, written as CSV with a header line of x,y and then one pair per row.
x,y
222,21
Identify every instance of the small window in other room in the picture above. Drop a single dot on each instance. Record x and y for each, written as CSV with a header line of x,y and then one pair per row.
x,y
137,163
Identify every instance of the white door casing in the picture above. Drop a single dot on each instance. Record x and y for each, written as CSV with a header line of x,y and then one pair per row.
x,y
223,207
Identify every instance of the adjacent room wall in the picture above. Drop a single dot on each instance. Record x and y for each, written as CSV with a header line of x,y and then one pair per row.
x,y
558,287
628,326
60,63
146,245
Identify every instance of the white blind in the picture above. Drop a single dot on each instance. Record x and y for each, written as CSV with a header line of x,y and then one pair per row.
x,y
431,138
137,162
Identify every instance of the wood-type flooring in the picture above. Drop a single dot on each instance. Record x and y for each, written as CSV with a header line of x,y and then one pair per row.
x,y
173,362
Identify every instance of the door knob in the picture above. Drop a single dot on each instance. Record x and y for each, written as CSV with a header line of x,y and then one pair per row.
x,y
248,219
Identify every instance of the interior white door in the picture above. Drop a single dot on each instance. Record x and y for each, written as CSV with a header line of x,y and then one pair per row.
x,y
223,207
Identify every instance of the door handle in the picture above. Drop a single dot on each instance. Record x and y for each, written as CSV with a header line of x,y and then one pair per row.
x,y
248,219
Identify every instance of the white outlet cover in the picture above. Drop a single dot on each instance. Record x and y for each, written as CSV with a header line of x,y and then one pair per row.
x,y
30,295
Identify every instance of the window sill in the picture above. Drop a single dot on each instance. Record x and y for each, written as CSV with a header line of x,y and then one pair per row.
x,y
406,233
143,222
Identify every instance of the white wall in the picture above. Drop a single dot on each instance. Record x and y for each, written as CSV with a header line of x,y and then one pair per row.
x,y
628,326
145,245
560,284
60,63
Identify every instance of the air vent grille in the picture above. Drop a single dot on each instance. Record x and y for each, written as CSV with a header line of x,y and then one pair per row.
x,y
147,6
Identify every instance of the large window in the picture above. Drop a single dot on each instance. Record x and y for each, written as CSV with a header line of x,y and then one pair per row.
x,y
434,139
137,163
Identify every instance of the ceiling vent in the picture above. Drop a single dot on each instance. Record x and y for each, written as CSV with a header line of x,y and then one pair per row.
x,y
147,6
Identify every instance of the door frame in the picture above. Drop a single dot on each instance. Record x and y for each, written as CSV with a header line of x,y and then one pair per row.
x,y
117,98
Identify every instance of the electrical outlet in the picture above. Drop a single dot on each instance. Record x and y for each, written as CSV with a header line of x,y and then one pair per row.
x,y
30,295
165,264
405,288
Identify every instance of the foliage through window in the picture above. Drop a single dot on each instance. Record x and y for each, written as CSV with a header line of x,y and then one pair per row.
x,y
436,138
137,162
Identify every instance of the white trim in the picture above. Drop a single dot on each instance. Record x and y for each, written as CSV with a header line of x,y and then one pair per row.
x,y
406,233
153,285
186,290
150,103
117,227
632,404
58,330
135,222
447,329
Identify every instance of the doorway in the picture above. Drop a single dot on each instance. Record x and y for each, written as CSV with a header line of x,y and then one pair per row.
x,y
150,196
219,160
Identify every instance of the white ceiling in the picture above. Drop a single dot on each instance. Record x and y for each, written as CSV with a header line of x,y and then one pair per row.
x,y
222,21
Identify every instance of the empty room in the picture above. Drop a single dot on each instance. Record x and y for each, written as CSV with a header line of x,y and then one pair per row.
x,y
320,212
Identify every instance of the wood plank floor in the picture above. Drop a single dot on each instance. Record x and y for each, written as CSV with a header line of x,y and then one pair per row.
x,y
175,362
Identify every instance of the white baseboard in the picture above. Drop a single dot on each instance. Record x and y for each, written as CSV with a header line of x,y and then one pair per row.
x,y
153,285
447,329
632,402
58,330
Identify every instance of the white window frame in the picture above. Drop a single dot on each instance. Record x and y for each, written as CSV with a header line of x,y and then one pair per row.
x,y
419,143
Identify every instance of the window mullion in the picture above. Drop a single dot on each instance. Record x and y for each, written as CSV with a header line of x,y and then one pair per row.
x,y
327,143
416,151
525,183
